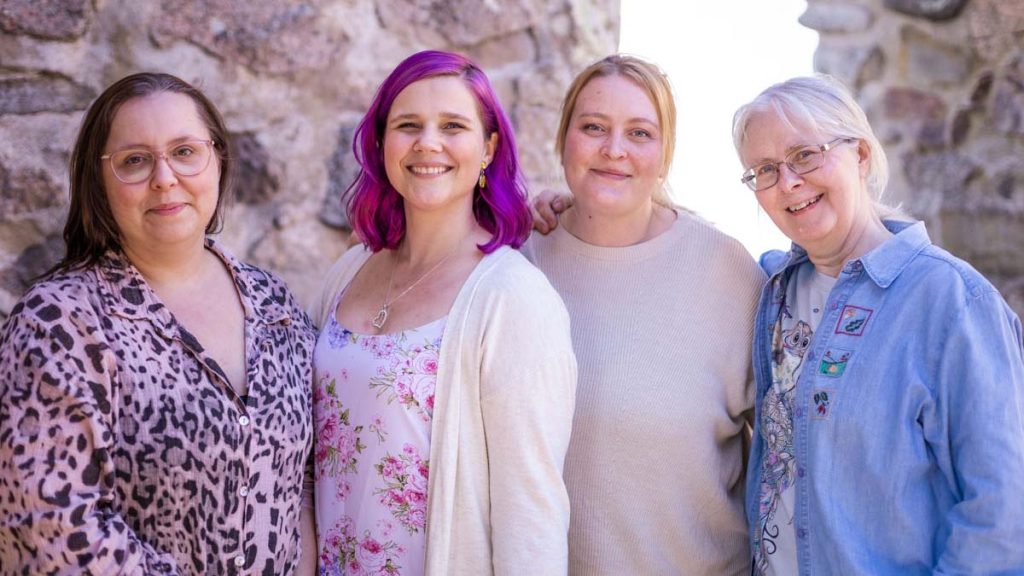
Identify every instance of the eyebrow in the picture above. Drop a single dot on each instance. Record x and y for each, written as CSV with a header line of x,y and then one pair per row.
x,y
788,151
170,143
606,117
445,115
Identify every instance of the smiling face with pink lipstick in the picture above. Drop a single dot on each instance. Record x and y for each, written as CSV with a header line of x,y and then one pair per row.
x,y
165,209
613,152
434,144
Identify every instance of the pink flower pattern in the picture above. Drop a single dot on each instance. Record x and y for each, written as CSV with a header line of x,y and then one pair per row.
x,y
337,441
372,407
346,553
409,374
405,490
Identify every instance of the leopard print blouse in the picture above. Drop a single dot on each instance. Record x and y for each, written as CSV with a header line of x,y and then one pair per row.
x,y
123,450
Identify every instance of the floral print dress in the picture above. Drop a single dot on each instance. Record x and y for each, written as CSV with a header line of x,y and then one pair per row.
x,y
372,403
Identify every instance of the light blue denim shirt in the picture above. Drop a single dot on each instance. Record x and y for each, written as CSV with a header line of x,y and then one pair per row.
x,y
913,461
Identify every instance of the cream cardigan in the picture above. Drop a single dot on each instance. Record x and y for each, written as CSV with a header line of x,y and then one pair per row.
x,y
503,408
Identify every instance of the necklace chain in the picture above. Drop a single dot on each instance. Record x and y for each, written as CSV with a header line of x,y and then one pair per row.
x,y
381,317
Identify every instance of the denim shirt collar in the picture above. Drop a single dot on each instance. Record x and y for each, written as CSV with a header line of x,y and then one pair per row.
x,y
125,293
886,262
882,264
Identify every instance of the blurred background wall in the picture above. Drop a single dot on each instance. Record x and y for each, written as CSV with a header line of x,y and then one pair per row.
x,y
292,80
941,80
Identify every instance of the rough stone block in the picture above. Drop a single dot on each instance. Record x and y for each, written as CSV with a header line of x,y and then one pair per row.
x,y
42,94
46,19
26,190
271,37
837,18
595,25
930,9
31,263
1009,186
342,170
462,23
982,88
855,66
945,174
254,181
518,49
922,114
930,62
990,239
995,27
961,127
1006,112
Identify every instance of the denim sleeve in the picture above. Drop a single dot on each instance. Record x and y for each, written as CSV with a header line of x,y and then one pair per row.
x,y
981,386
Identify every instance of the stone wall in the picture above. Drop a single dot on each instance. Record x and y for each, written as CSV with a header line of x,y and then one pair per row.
x,y
292,80
942,82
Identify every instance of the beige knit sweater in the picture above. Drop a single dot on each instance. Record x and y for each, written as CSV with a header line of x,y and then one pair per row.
x,y
506,379
662,333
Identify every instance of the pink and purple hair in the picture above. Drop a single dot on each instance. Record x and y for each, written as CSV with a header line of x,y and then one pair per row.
x,y
375,208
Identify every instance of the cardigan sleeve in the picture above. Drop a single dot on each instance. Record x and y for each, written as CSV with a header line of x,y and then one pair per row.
x,y
56,448
527,396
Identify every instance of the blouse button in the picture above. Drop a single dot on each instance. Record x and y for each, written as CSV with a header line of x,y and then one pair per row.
x,y
239,560
243,491
243,420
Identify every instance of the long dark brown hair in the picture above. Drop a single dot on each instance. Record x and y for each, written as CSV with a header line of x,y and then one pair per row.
x,y
90,229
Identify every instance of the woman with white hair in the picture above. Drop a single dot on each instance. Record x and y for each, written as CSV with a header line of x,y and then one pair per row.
x,y
889,431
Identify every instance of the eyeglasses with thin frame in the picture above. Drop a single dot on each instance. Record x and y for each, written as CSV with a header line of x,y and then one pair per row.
x,y
801,161
137,164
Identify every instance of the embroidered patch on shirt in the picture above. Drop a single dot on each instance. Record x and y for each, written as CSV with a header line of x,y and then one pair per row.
x,y
822,403
833,364
852,320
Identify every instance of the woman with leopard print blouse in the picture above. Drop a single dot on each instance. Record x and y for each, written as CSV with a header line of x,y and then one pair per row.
x,y
155,411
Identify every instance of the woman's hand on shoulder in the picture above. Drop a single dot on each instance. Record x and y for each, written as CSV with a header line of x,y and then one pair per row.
x,y
547,207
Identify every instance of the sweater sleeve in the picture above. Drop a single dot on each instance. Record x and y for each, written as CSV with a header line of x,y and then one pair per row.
x,y
56,450
528,387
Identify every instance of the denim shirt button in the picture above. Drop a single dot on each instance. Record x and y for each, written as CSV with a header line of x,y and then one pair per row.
x,y
799,412
800,472
801,533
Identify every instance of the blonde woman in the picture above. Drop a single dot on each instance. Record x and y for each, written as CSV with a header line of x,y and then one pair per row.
x,y
662,309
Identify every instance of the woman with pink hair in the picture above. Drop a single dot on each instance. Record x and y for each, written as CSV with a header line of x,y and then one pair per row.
x,y
445,377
